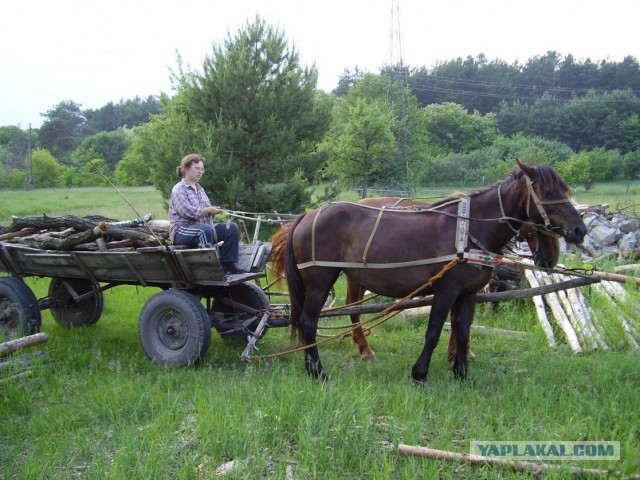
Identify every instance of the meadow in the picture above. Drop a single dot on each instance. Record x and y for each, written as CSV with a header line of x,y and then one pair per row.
x,y
101,409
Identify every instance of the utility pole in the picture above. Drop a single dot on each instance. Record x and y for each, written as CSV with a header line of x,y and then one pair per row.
x,y
28,168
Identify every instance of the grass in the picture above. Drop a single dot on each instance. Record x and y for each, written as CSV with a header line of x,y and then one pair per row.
x,y
103,201
102,410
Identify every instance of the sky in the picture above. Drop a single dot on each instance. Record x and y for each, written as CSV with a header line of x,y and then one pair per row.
x,y
93,52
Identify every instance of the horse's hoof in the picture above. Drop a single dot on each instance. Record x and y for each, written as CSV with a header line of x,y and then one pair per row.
x,y
369,357
419,377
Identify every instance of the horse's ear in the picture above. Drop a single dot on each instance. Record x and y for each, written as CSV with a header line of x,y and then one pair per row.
x,y
529,171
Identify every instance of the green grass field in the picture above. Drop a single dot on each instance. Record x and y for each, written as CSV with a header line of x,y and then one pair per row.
x,y
103,410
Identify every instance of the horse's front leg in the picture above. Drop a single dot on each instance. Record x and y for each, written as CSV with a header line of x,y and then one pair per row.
x,y
463,310
441,305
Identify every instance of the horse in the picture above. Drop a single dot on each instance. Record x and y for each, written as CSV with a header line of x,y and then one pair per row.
x,y
392,252
544,246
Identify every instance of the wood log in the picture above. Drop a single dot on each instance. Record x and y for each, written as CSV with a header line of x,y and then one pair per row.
x,y
577,316
45,223
559,314
579,302
53,243
20,233
131,233
617,277
480,298
541,310
624,319
479,460
7,348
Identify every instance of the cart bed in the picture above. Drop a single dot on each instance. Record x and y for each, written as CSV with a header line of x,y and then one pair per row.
x,y
149,266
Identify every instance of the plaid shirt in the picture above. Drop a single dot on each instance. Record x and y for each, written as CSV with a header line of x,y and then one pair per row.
x,y
185,206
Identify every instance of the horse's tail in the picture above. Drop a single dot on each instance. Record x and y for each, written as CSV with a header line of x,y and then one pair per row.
x,y
294,282
278,249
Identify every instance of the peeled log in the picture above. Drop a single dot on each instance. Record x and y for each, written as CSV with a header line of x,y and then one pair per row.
x,y
7,348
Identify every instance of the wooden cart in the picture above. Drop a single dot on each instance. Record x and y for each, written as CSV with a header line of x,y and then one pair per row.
x,y
174,325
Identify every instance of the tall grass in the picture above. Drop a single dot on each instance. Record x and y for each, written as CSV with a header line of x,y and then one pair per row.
x,y
103,410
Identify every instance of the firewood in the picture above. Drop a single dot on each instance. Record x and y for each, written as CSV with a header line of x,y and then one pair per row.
x,y
20,233
540,309
7,348
48,242
560,315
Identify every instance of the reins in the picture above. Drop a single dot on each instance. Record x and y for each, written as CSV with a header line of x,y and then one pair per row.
x,y
387,311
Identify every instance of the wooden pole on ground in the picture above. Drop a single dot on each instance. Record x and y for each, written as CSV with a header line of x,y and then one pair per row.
x,y
7,348
513,465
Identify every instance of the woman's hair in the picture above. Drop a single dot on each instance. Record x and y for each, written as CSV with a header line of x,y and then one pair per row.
x,y
187,161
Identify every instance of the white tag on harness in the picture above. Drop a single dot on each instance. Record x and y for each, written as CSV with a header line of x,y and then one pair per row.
x,y
462,228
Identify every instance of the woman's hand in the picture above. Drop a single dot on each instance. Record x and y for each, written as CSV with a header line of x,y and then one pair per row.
x,y
213,211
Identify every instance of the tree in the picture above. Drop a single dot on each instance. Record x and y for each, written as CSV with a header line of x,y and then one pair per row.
x,y
62,130
451,129
46,169
14,146
253,112
586,167
360,142
110,146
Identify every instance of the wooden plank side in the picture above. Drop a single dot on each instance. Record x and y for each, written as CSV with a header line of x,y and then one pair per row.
x,y
144,266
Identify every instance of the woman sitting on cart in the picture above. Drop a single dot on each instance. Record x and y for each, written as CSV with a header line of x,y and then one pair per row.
x,y
191,215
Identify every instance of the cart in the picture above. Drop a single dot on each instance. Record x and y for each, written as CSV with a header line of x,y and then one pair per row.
x,y
174,325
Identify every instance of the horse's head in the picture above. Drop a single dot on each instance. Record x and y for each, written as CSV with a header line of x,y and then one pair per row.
x,y
548,202
544,245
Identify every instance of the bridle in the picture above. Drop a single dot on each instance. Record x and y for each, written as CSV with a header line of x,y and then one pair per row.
x,y
532,195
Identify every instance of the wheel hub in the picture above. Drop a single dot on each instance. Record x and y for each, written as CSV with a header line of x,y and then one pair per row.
x,y
173,332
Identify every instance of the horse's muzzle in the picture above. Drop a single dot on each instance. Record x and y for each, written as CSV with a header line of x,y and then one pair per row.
x,y
576,234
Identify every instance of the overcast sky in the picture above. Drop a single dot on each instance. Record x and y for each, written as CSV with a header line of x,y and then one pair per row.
x,y
93,52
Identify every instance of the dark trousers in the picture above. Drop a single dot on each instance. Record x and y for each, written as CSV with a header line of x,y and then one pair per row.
x,y
202,234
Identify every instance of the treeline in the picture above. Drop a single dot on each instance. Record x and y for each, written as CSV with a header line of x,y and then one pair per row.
x,y
269,133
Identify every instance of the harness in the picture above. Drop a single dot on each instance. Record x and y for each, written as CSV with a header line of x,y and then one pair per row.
x,y
480,257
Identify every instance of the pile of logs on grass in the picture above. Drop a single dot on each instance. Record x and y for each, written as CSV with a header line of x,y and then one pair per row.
x,y
85,233
581,327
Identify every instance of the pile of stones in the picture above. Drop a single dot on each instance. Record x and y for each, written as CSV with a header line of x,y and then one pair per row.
x,y
614,235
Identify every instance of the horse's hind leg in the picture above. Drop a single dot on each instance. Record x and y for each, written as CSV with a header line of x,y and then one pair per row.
x,y
463,310
452,340
356,293
314,300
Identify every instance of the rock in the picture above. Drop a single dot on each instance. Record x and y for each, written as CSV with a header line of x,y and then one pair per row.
x,y
627,243
628,225
604,236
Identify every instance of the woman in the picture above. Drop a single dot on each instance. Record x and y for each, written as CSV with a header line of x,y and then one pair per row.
x,y
191,215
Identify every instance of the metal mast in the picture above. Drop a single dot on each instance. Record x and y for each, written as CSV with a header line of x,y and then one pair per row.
x,y
398,76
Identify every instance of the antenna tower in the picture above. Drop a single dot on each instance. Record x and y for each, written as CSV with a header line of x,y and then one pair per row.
x,y
398,76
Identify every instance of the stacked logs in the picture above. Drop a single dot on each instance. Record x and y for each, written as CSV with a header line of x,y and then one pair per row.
x,y
85,233
582,328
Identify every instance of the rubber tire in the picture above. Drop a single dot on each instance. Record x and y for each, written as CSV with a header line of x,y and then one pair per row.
x,y
248,294
190,335
76,314
25,317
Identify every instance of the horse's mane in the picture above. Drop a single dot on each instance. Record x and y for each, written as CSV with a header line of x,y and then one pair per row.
x,y
546,177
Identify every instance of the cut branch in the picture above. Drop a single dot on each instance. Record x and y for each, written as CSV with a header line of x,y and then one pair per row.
x,y
7,348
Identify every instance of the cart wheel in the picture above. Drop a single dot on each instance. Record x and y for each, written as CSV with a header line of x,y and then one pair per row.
x,y
19,311
231,326
174,328
72,314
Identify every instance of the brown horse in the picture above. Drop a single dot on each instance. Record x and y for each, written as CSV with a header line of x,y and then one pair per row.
x,y
393,252
545,247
